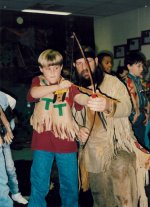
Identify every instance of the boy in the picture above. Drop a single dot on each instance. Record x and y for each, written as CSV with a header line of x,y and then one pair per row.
x,y
135,61
5,200
54,131
8,103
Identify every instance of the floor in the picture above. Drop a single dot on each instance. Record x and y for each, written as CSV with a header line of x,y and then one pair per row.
x,y
53,199
22,156
23,161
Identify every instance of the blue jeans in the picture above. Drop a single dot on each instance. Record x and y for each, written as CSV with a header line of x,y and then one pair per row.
x,y
11,170
5,200
40,178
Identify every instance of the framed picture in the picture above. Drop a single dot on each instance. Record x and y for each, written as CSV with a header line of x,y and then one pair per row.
x,y
134,44
119,51
145,37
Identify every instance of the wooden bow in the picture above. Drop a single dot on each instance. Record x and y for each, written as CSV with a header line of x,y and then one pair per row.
x,y
101,116
89,92
87,63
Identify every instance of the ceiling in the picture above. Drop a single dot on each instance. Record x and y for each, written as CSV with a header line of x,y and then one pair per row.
x,y
93,8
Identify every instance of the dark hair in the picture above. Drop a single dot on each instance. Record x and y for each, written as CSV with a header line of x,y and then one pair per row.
x,y
120,70
103,54
99,75
88,52
134,57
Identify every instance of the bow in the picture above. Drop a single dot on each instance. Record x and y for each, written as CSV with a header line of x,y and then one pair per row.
x,y
87,63
93,88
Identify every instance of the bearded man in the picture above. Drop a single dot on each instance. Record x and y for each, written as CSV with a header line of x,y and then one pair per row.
x,y
116,174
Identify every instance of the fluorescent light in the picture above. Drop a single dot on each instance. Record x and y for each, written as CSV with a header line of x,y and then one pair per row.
x,y
46,12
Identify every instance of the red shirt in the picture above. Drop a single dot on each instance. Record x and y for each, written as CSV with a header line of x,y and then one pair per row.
x,y
47,140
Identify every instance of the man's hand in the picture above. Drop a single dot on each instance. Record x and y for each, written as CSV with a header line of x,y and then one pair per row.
x,y
83,134
99,104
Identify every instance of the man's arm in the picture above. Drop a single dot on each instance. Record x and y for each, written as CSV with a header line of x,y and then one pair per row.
x,y
110,108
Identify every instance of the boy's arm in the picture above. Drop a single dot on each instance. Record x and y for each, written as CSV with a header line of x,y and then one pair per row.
x,y
37,91
8,136
81,99
147,113
40,91
134,99
1,141
11,101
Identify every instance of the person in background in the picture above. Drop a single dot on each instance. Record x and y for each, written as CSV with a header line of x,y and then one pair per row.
x,y
105,59
146,74
54,131
147,132
122,73
109,154
8,104
146,80
139,117
5,136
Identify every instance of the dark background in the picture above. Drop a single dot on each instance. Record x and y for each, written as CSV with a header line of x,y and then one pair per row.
x,y
20,46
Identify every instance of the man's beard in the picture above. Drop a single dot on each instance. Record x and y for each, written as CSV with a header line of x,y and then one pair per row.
x,y
85,82
97,77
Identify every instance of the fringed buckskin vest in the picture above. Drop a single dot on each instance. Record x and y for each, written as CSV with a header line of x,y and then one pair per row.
x,y
53,113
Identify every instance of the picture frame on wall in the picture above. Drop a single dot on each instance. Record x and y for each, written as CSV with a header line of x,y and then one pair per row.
x,y
134,44
145,37
119,51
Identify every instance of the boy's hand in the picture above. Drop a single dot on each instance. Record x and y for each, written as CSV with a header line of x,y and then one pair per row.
x,y
65,84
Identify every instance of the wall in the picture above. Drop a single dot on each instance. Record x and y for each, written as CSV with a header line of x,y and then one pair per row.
x,y
115,30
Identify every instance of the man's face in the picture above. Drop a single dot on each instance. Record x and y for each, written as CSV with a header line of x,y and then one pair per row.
x,y
52,73
107,64
136,69
82,67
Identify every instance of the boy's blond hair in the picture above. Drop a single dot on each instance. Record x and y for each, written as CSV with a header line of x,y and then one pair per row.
x,y
50,57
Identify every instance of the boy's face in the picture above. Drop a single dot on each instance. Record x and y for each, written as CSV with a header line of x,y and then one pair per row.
x,y
107,64
52,73
136,69
82,67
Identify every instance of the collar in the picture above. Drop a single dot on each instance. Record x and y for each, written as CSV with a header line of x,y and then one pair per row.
x,y
133,77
